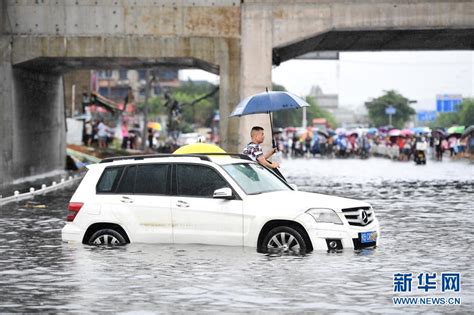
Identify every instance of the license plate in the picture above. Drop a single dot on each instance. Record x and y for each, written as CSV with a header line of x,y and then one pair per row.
x,y
368,237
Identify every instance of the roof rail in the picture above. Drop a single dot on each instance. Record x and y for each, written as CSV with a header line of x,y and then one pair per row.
x,y
149,156
232,155
202,156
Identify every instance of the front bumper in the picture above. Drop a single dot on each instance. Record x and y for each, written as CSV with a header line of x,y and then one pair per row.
x,y
71,233
327,236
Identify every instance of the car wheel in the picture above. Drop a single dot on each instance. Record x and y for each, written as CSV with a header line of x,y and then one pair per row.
x,y
284,239
107,237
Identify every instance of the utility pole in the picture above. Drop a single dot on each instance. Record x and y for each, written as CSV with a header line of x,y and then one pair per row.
x,y
109,87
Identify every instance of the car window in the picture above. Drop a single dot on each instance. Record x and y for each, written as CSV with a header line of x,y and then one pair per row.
x,y
198,181
254,178
109,179
128,181
152,179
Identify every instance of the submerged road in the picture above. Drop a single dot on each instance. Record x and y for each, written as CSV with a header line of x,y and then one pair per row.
x,y
425,212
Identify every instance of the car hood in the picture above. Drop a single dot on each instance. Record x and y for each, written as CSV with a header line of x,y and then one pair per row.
x,y
298,201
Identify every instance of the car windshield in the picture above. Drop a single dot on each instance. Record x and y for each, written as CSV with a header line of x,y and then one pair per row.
x,y
254,178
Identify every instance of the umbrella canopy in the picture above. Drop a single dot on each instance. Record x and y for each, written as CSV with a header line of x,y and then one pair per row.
x,y
341,131
372,131
352,132
323,133
277,130
420,130
331,132
406,132
154,125
456,130
394,133
438,131
267,102
468,131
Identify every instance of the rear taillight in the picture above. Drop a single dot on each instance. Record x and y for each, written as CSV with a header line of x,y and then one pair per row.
x,y
74,208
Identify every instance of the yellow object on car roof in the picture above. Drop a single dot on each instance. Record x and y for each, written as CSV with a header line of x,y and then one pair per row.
x,y
199,148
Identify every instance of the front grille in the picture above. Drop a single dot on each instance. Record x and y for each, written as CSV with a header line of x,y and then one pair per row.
x,y
356,216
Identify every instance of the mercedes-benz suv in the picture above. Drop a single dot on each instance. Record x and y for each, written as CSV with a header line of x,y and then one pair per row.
x,y
219,199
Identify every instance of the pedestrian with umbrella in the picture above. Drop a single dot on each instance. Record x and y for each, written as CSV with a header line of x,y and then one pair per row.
x,y
266,102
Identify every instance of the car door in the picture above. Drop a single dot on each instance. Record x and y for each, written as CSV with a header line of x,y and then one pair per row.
x,y
197,216
142,202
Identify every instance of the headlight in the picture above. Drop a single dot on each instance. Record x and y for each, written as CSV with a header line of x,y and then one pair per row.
x,y
324,216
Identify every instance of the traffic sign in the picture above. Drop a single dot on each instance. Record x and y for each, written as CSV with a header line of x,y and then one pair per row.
x,y
390,110
426,116
448,103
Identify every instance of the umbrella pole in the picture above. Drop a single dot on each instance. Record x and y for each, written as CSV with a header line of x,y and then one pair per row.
x,y
271,127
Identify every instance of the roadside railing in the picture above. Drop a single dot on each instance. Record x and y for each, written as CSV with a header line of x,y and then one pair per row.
x,y
17,196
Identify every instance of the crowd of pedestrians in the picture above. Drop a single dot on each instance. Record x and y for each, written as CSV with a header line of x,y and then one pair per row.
x,y
101,134
363,144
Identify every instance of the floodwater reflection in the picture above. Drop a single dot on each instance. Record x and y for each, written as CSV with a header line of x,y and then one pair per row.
x,y
426,219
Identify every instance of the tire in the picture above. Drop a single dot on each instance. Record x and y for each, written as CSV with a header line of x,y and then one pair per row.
x,y
284,239
107,237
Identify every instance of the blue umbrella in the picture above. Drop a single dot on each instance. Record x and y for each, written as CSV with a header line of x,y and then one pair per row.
x,y
372,131
268,102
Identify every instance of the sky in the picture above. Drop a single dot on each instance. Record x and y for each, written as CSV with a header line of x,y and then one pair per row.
x,y
360,76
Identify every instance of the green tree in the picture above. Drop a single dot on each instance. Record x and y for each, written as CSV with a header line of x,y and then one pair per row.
x,y
376,109
446,120
467,112
193,115
315,111
464,117
155,106
198,114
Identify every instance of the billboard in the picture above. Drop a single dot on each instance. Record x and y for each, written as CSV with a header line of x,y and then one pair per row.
x,y
448,103
426,116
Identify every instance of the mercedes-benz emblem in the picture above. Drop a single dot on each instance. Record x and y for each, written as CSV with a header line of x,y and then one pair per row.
x,y
363,216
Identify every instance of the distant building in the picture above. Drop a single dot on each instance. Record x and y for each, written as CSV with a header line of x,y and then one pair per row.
x,y
344,116
114,84
325,101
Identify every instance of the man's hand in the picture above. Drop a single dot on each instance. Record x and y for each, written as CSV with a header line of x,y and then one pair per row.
x,y
262,160
270,153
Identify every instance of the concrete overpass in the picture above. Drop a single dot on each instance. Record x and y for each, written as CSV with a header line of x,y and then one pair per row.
x,y
239,40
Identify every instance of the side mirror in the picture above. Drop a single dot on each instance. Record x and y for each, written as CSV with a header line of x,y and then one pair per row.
x,y
223,193
295,188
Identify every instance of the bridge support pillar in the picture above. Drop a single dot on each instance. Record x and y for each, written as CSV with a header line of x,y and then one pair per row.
x,y
229,94
32,125
6,112
256,67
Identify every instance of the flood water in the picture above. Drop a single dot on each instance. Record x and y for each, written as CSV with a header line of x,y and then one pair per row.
x,y
426,215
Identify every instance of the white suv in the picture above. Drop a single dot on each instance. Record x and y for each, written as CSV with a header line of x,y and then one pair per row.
x,y
210,199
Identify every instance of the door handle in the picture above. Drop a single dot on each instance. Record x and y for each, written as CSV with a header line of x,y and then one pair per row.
x,y
182,204
126,199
